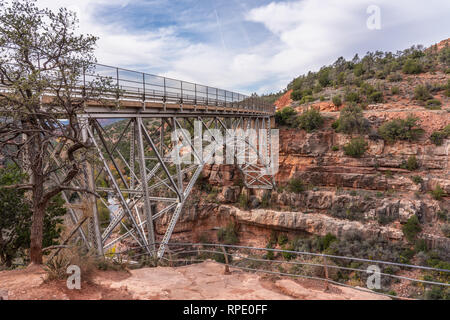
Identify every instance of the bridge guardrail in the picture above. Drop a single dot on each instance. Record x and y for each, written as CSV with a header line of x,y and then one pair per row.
x,y
139,86
188,253
142,86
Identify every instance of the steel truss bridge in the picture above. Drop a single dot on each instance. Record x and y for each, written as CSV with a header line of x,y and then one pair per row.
x,y
133,170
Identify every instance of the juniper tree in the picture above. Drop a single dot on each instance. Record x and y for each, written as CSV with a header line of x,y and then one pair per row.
x,y
42,60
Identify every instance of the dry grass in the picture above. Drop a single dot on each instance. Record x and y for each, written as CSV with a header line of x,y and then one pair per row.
x,y
87,261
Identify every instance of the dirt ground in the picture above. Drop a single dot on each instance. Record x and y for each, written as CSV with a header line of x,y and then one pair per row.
x,y
205,281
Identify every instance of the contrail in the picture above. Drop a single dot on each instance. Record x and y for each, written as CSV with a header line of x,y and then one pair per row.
x,y
220,29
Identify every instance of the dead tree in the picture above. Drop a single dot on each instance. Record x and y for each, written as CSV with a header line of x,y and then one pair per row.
x,y
42,94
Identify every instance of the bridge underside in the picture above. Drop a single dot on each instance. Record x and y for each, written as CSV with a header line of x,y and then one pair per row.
x,y
138,180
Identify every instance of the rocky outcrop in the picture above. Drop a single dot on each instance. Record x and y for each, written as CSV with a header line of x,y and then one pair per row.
x,y
311,158
363,204
317,224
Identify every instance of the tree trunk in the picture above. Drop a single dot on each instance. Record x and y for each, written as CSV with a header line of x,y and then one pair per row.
x,y
37,227
37,221
37,180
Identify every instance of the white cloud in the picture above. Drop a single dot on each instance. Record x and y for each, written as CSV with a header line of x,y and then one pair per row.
x,y
305,35
313,33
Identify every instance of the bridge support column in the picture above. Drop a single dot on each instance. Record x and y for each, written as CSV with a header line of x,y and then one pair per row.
x,y
144,184
90,183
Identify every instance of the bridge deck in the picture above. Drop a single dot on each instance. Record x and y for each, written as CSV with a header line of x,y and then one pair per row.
x,y
138,92
142,92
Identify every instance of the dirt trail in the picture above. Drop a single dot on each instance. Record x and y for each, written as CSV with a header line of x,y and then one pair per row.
x,y
201,281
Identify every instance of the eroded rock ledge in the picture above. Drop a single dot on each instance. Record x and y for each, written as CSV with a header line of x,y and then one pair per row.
x,y
318,224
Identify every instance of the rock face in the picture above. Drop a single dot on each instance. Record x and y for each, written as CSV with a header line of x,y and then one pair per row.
x,y
366,205
317,224
311,158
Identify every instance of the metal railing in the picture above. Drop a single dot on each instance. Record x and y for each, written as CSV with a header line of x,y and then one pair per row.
x,y
134,85
189,253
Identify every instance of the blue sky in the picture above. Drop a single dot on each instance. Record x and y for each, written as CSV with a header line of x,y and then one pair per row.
x,y
252,45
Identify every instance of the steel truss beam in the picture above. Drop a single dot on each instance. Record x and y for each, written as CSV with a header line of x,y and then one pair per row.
x,y
160,187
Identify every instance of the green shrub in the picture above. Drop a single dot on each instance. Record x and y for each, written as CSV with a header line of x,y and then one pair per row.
x,y
243,201
288,255
335,124
395,90
299,94
433,104
381,74
422,93
401,129
228,235
335,148
411,228
442,215
285,116
417,179
376,97
437,137
358,70
351,120
366,88
296,185
310,120
388,174
412,66
282,239
437,293
270,255
356,147
325,241
324,77
307,99
437,193
352,96
296,95
337,101
411,164
103,214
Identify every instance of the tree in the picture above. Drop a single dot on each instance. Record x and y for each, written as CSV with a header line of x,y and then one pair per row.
x,y
412,66
42,59
356,147
285,116
351,120
15,217
310,120
411,228
401,129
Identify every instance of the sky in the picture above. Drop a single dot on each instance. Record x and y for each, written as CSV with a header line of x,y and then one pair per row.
x,y
251,45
